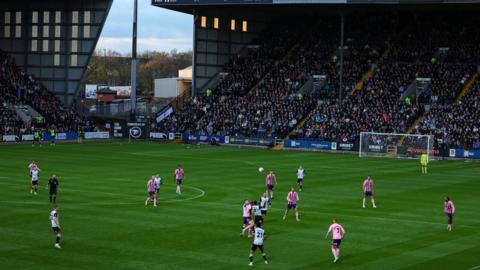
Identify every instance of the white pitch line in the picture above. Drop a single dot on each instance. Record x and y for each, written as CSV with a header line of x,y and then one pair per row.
x,y
201,194
474,268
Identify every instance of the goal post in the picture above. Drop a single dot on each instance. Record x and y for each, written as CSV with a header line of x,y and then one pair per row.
x,y
395,145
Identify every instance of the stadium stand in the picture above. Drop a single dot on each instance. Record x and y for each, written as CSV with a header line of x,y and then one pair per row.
x,y
282,99
242,73
455,125
277,103
18,88
381,105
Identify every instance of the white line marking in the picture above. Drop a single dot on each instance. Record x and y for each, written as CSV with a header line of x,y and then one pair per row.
x,y
201,194
474,268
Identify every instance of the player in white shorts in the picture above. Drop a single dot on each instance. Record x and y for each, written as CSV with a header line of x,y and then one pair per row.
x,y
264,204
300,175
35,174
158,183
55,226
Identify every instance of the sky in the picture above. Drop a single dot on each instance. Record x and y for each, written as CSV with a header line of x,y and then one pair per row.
x,y
158,29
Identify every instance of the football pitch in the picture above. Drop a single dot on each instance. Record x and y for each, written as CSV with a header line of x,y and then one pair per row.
x,y
105,224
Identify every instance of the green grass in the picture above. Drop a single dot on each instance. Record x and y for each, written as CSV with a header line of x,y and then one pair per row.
x,y
106,226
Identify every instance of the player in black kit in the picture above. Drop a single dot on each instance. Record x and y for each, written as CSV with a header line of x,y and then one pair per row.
x,y
53,184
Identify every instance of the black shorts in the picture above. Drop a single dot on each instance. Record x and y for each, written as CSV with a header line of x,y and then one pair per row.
x,y
35,183
450,218
368,194
258,219
264,212
151,193
56,229
336,242
157,190
254,247
300,180
53,191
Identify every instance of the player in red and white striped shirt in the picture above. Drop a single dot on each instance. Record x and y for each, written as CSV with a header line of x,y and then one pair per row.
x,y
151,190
449,209
368,191
337,235
292,199
178,175
270,182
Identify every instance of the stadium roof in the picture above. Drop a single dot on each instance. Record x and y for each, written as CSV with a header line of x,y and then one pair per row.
x,y
191,6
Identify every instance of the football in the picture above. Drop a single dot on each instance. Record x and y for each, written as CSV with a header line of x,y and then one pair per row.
x,y
260,169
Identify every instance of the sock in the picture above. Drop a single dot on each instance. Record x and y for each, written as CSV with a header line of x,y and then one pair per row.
x,y
264,256
250,258
57,240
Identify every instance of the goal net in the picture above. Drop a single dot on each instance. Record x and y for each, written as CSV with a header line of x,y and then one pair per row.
x,y
395,145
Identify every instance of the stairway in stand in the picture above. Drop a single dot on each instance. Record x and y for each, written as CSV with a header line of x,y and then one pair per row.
x,y
358,86
466,88
462,93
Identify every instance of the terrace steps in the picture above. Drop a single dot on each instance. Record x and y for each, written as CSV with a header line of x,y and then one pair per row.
x,y
278,145
411,128
369,74
358,86
361,83
466,87
462,93
300,123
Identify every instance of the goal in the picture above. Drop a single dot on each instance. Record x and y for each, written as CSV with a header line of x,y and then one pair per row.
x,y
395,145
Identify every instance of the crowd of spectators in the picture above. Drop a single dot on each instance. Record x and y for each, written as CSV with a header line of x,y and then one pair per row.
x,y
381,106
181,120
447,80
242,73
431,47
422,36
377,107
18,88
9,120
455,124
277,103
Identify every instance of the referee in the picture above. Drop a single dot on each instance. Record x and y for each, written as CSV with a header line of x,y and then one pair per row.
x,y
53,185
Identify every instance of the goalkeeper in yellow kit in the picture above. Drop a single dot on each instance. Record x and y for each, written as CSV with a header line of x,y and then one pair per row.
x,y
424,162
